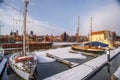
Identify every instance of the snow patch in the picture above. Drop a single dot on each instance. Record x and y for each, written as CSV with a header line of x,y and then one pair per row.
x,y
117,73
59,52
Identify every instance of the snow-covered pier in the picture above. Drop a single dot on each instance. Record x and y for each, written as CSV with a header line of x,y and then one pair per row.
x,y
70,64
59,52
2,65
84,53
85,70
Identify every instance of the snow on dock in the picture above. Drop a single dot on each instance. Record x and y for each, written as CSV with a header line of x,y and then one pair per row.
x,y
59,52
117,74
84,70
64,43
2,65
68,63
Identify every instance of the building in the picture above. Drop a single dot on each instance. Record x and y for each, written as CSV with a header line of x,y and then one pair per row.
x,y
104,36
64,37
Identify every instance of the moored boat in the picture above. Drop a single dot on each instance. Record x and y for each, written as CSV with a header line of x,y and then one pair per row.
x,y
90,47
24,66
24,63
3,61
86,49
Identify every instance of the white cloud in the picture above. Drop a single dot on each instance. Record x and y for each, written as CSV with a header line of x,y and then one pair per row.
x,y
107,17
44,28
11,22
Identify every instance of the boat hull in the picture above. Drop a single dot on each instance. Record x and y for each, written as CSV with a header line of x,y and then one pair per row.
x,y
76,47
19,71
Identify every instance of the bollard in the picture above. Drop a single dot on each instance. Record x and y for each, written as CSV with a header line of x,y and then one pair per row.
x,y
108,56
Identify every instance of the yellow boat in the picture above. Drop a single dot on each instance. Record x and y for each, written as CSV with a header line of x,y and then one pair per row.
x,y
95,47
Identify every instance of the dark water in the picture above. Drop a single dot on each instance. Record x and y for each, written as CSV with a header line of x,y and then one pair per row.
x,y
106,72
49,69
45,70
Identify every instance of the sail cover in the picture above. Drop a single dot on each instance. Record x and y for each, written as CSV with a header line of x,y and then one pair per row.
x,y
96,43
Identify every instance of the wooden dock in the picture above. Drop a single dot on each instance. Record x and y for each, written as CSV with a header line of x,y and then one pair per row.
x,y
72,51
68,63
90,54
38,45
84,53
85,70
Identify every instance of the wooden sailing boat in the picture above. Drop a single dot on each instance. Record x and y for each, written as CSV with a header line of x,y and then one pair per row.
x,y
90,47
23,63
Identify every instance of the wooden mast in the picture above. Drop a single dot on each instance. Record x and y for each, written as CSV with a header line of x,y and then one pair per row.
x,y
91,27
24,25
78,24
77,35
0,26
91,30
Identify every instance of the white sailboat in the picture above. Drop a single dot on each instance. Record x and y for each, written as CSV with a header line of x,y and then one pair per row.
x,y
1,53
23,63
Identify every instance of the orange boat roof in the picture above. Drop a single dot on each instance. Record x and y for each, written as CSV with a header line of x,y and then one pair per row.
x,y
98,32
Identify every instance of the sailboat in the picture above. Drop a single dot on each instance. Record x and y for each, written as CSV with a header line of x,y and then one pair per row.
x,y
1,53
23,63
95,47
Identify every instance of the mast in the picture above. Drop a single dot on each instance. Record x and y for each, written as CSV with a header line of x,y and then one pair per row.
x,y
24,25
0,26
91,29
78,24
78,28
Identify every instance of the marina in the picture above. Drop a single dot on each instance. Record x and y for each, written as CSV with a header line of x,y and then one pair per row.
x,y
85,65
43,40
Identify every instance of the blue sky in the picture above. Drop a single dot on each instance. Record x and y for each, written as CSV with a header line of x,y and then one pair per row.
x,y
56,16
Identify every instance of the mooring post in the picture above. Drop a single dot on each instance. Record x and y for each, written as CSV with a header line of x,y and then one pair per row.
x,y
108,55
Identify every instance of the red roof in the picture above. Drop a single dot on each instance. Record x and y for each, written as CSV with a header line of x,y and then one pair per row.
x,y
98,32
